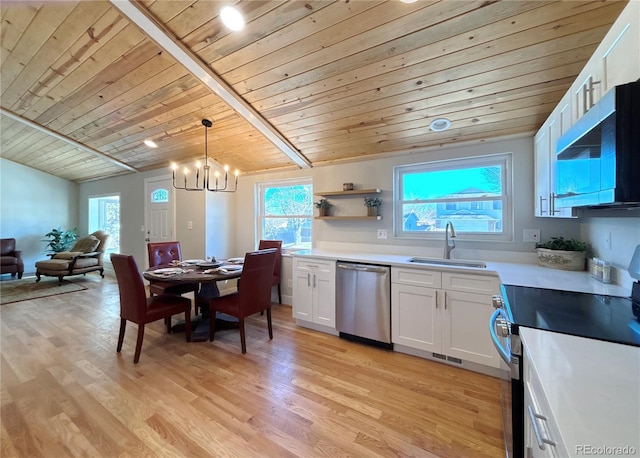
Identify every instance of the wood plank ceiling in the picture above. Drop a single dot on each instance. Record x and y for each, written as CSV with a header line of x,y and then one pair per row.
x,y
340,80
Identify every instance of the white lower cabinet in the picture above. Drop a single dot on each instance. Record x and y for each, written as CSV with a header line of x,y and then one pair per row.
x,y
314,291
542,437
444,312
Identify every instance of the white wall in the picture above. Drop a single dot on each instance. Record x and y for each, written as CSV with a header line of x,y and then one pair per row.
x,y
31,204
623,229
378,173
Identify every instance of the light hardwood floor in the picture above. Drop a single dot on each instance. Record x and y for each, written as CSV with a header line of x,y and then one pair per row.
x,y
66,392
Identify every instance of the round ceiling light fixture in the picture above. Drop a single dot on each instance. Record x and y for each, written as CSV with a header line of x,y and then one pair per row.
x,y
408,1
150,143
440,124
232,18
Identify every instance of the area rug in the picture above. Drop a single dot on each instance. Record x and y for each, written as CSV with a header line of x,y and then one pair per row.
x,y
27,289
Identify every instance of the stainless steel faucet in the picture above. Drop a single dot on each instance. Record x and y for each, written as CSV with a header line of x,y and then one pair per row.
x,y
449,243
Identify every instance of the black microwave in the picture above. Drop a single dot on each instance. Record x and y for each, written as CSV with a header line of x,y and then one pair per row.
x,y
598,159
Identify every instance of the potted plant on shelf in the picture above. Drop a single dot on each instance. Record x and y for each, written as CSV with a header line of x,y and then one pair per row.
x,y
323,206
59,240
372,204
559,253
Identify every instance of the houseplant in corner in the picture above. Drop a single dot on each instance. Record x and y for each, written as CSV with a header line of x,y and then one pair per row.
x,y
372,204
323,206
59,240
559,253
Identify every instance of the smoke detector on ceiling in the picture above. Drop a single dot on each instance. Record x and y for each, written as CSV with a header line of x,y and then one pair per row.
x,y
440,124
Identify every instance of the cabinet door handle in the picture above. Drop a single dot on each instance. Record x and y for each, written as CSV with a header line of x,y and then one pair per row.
x,y
542,199
435,299
536,429
314,280
445,300
552,204
308,279
585,99
591,84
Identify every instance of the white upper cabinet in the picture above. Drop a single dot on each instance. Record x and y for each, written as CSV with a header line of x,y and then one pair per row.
x,y
545,161
615,61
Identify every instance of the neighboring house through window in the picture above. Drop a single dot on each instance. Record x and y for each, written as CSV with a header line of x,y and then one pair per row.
x,y
285,212
472,193
104,214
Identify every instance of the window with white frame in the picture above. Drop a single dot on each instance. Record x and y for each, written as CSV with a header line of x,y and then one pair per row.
x,y
474,194
285,212
104,214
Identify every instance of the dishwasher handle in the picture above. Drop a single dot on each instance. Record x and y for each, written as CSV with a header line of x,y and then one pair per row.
x,y
362,268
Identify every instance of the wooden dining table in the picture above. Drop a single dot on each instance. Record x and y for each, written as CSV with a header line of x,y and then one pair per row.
x,y
207,278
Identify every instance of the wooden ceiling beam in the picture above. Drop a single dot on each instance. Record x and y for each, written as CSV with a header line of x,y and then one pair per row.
x,y
64,138
165,39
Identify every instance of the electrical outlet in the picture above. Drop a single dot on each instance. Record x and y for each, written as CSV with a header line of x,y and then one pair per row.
x,y
531,235
289,283
607,240
189,224
382,233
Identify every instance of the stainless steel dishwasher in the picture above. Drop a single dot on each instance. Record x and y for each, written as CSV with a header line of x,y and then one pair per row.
x,y
363,303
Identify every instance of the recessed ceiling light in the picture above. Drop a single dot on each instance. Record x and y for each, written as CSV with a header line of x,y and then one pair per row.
x,y
150,143
440,124
232,18
408,1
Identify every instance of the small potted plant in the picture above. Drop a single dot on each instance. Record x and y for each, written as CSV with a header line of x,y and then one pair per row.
x,y
372,204
59,240
323,206
560,253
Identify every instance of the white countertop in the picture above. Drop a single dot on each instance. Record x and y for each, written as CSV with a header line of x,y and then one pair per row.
x,y
510,273
593,388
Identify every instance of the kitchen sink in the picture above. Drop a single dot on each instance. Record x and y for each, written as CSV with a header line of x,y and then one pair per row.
x,y
449,262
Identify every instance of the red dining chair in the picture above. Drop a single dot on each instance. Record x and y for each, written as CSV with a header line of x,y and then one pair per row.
x,y
161,253
136,307
265,244
257,272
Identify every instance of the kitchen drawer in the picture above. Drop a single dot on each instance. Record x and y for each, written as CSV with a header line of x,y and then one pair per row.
x,y
315,265
471,283
416,277
536,400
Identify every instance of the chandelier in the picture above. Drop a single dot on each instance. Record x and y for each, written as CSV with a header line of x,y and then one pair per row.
x,y
204,171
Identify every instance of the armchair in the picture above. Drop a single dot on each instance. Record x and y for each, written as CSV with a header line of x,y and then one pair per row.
x,y
85,256
10,258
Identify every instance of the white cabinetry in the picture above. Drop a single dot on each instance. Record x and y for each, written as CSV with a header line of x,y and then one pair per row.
x,y
542,437
615,61
545,161
314,291
444,313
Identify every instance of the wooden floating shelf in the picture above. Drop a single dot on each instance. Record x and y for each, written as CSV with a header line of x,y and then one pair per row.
x,y
349,193
353,218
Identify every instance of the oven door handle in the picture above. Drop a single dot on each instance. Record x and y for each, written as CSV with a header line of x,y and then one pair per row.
x,y
494,337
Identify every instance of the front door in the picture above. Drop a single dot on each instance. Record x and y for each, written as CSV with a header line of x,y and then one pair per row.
x,y
159,210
